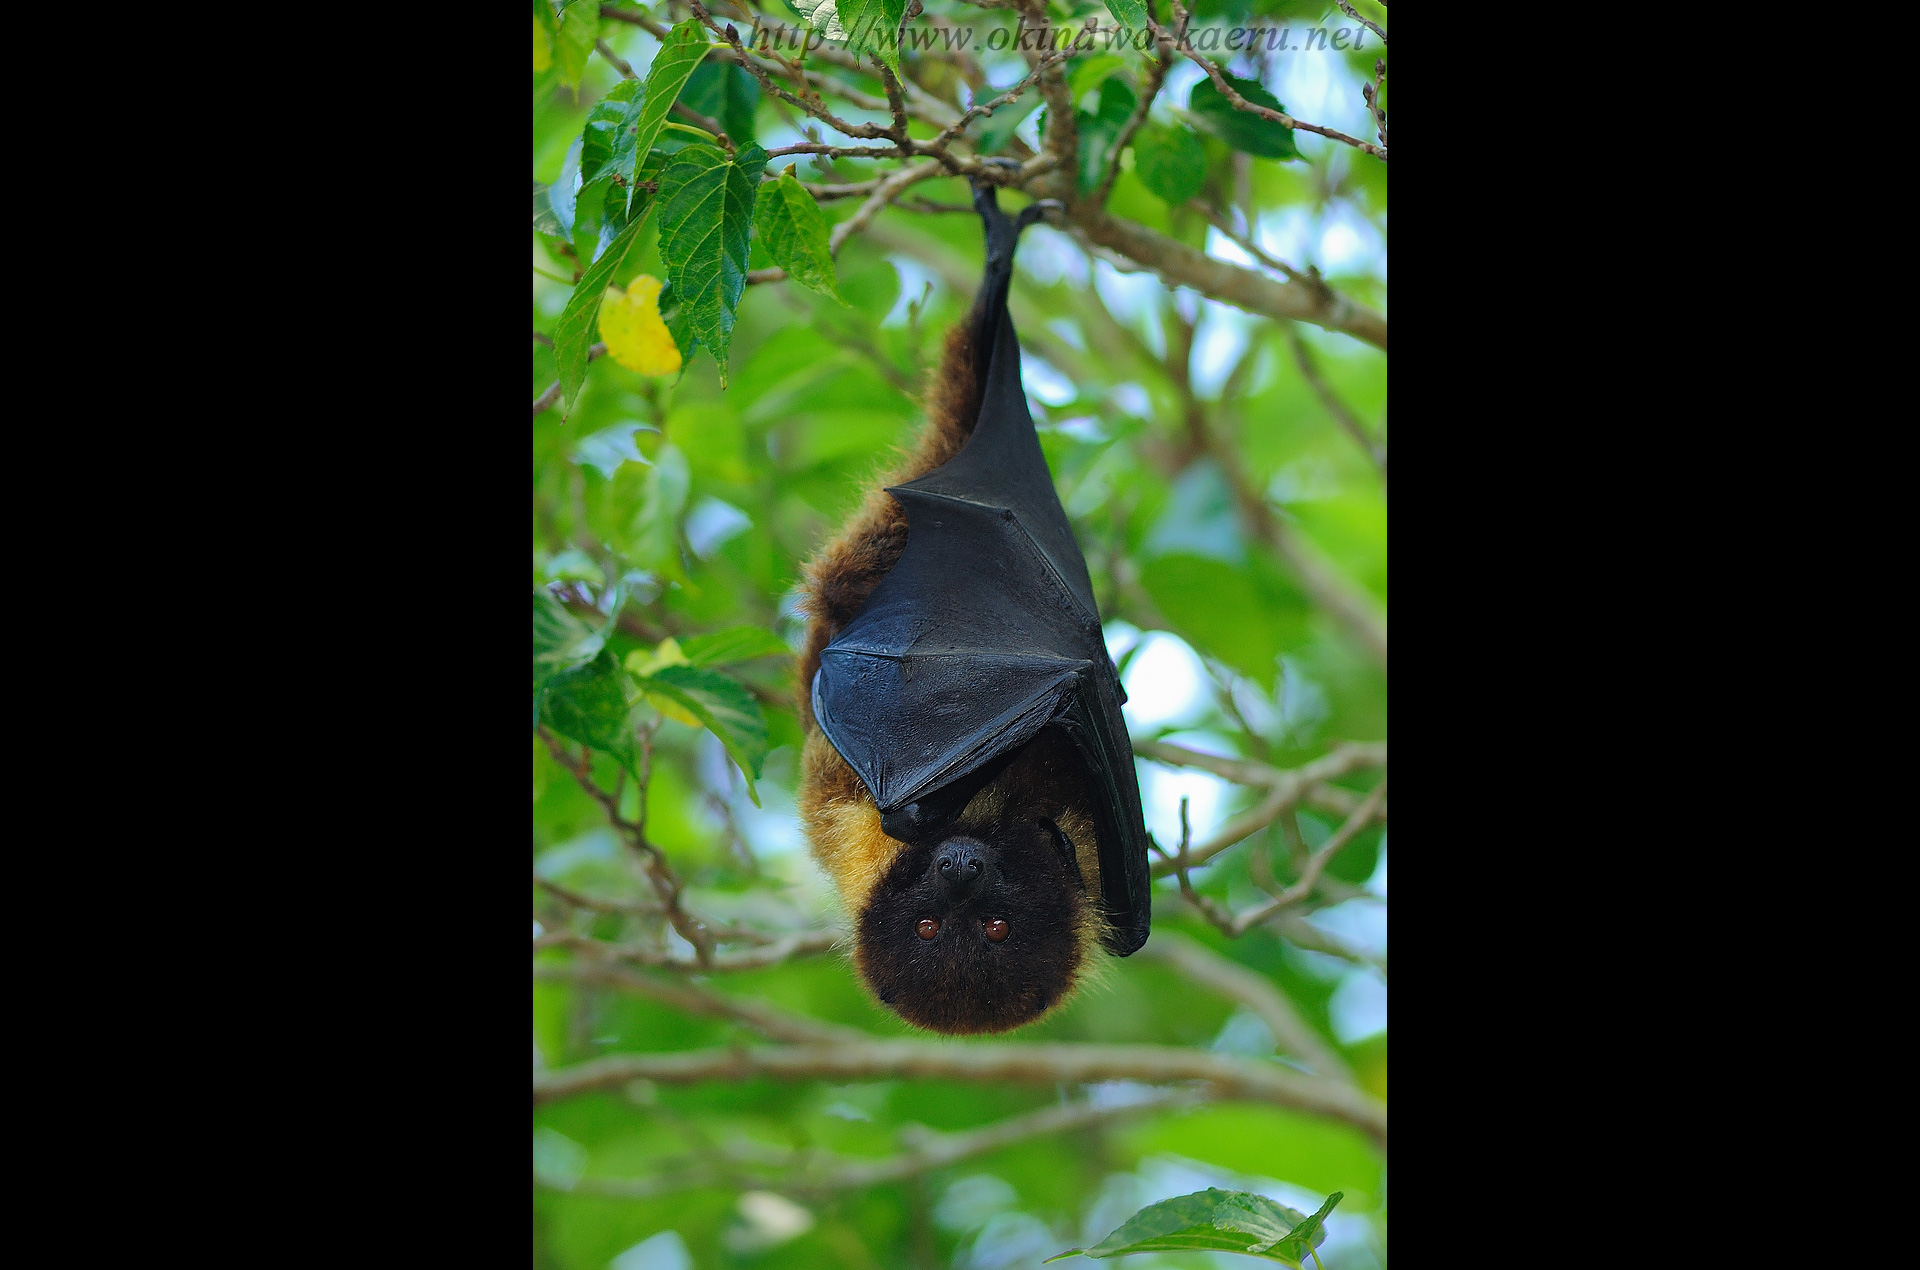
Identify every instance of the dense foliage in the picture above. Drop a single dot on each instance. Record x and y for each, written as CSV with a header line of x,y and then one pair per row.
x,y
735,303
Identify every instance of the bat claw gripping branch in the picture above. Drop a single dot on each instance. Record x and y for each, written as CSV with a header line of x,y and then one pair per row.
x,y
1003,232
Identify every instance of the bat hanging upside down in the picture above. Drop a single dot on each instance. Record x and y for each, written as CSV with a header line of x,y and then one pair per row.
x,y
967,779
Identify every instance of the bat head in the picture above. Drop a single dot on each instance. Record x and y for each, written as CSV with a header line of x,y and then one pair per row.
x,y
980,932
988,925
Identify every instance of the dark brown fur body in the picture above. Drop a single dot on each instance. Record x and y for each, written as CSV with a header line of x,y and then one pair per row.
x,y
1043,883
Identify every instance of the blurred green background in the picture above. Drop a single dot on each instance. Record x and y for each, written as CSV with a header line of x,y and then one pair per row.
x,y
704,502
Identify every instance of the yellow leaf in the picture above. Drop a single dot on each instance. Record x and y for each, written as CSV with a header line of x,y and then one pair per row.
x,y
542,51
636,337
673,710
641,664
667,653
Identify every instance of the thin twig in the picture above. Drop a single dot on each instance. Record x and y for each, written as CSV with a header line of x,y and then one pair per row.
x,y
1253,108
666,883
1371,92
1346,7
1255,991
1362,816
546,399
1156,77
598,904
1245,242
1303,358
1286,787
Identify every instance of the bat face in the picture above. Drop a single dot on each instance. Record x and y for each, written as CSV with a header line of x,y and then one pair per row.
x,y
991,924
980,932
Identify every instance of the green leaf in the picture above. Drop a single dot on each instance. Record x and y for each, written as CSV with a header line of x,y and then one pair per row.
x,y
1219,1221
590,705
545,27
656,527
624,125
561,194
573,42
726,93
1100,128
706,213
605,450
725,707
575,564
679,322
573,333
791,225
1239,128
1091,72
607,140
873,26
684,49
1170,161
544,219
1245,615
741,643
1308,1232
822,16
560,640
1131,14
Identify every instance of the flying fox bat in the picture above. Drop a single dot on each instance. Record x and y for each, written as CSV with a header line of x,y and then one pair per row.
x,y
967,779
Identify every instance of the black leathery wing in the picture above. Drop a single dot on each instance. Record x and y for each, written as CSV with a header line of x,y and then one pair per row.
x,y
986,631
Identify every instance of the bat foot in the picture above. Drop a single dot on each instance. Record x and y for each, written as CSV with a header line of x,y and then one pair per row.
x,y
1036,211
1003,231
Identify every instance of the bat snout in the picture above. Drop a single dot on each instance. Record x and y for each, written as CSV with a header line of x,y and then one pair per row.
x,y
961,866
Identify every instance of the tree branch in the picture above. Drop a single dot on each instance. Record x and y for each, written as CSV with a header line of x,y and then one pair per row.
x,y
769,1020
1362,816
1255,991
784,948
1286,788
811,1172
1048,1064
1182,266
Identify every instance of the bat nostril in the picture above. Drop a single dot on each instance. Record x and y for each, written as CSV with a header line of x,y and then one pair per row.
x,y
960,864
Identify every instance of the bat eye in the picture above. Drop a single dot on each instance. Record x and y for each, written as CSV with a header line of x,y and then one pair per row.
x,y
929,927
995,928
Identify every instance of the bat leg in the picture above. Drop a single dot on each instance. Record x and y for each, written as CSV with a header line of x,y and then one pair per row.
x,y
1004,232
1000,231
